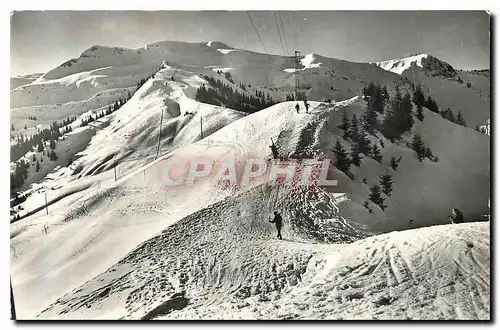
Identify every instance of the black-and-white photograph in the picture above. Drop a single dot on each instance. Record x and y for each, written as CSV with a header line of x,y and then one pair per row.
x,y
250,165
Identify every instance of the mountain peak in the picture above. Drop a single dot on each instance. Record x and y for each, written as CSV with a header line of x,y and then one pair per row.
x,y
98,49
399,65
429,64
218,45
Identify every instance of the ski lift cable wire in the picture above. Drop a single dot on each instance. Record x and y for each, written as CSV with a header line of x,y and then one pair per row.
x,y
279,32
258,35
283,31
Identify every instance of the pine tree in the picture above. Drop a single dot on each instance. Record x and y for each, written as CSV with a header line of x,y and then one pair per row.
x,y
418,145
394,163
448,114
431,104
376,197
407,114
354,128
355,159
428,153
420,112
370,122
341,162
363,143
37,168
460,119
385,97
391,125
418,96
375,98
376,153
386,183
25,126
52,144
345,122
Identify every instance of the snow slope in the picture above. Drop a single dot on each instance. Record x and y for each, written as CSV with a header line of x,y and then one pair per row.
x,y
132,131
122,244
425,191
195,270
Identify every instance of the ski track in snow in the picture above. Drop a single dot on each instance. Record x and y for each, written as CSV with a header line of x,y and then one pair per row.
x,y
244,272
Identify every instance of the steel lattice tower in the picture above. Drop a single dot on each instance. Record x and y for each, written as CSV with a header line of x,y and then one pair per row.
x,y
297,82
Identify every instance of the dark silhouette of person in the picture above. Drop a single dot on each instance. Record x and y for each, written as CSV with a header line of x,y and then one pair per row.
x,y
278,222
274,150
306,105
457,216
297,107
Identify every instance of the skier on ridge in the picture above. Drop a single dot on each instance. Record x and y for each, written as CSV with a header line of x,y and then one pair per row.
x,y
278,221
457,216
274,150
306,105
297,107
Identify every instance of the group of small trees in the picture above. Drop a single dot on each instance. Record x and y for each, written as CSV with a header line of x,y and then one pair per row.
x,y
24,144
143,81
449,115
112,108
19,175
398,118
420,101
376,191
221,94
423,151
397,111
376,96
361,144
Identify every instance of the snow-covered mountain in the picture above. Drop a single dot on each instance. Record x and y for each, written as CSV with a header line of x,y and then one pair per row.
x,y
458,90
123,244
399,65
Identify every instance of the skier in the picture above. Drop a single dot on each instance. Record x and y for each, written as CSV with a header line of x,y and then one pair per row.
x,y
297,107
457,216
306,105
274,150
278,221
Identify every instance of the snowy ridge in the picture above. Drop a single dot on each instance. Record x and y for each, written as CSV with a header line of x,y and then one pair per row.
x,y
400,65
